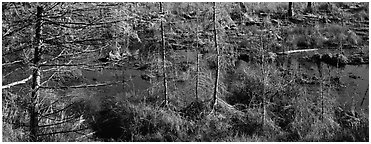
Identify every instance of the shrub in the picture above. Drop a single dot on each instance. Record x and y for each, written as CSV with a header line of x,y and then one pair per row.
x,y
112,122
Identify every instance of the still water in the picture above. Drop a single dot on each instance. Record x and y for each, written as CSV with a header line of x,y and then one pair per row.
x,y
353,79
353,92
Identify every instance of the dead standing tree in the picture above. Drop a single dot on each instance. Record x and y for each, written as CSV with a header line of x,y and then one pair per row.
x,y
215,94
197,60
33,108
290,12
165,103
51,56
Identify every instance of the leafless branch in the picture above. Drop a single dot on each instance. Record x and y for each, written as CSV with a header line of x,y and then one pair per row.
x,y
9,32
77,64
53,6
78,53
58,110
16,83
47,107
58,123
82,86
79,24
10,63
17,50
49,78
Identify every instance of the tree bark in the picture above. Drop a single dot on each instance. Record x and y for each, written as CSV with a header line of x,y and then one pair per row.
x,y
16,83
290,11
215,95
33,110
163,58
264,81
198,61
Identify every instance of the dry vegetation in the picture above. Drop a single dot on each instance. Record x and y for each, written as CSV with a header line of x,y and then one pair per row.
x,y
257,97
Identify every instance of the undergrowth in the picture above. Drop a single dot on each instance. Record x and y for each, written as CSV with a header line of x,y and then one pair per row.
x,y
292,115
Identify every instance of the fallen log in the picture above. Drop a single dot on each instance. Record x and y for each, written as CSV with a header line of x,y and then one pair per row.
x,y
227,108
295,51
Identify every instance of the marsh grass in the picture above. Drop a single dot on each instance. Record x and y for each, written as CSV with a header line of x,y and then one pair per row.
x,y
292,114
248,91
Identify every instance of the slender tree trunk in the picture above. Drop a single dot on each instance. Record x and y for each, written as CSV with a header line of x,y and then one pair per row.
x,y
322,97
263,74
33,110
197,75
290,11
215,95
198,64
163,58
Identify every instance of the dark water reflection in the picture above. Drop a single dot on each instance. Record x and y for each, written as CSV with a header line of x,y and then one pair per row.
x,y
130,80
353,79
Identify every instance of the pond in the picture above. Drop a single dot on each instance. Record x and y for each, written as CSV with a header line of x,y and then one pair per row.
x,y
353,79
131,79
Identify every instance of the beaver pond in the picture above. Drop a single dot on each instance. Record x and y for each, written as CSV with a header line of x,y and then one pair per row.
x,y
351,81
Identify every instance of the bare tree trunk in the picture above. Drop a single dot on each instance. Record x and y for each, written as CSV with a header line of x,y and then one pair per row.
x,y
215,96
322,97
33,109
197,75
163,58
290,11
198,61
264,81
